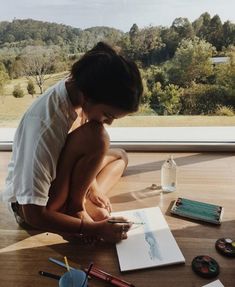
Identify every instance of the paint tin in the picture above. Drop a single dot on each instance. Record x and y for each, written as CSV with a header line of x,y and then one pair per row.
x,y
205,266
225,246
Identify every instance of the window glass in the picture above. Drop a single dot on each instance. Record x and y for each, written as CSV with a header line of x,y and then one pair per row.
x,y
184,49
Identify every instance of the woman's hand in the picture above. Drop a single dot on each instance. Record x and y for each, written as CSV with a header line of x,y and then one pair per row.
x,y
100,199
114,232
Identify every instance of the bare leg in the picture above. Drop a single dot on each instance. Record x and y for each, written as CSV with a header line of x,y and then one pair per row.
x,y
114,164
112,168
80,162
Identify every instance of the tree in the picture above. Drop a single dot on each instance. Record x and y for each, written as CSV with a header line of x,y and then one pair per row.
x,y
197,25
170,39
202,99
167,99
154,74
225,75
202,31
215,36
3,80
191,63
228,34
145,99
31,88
143,44
183,27
38,63
133,33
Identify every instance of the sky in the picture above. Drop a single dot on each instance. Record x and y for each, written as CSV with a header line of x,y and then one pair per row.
x,y
120,14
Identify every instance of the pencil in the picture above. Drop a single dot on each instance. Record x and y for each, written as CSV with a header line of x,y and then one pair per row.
x,y
124,222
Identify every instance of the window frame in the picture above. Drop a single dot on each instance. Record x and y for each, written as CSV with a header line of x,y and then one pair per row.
x,y
157,138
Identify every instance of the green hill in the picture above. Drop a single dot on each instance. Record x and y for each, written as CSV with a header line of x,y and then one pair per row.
x,y
21,33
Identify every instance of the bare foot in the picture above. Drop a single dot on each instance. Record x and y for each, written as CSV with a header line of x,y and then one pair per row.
x,y
83,214
95,212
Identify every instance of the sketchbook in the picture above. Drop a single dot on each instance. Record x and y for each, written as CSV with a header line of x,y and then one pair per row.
x,y
216,283
150,244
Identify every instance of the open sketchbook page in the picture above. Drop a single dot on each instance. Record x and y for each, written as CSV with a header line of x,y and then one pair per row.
x,y
216,283
148,245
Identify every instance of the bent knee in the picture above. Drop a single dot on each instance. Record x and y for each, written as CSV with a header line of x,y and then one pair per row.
x,y
90,137
98,136
122,154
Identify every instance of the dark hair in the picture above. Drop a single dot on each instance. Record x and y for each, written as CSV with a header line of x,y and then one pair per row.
x,y
106,77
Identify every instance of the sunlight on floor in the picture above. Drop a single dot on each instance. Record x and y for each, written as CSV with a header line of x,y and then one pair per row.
x,y
34,241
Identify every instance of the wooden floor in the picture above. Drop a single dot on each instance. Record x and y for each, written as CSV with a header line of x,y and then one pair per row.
x,y
208,177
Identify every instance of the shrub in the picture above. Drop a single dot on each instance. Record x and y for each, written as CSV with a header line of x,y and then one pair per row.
x,y
145,110
18,92
31,88
224,111
203,99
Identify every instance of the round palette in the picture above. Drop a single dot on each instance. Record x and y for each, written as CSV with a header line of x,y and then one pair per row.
x,y
205,266
226,247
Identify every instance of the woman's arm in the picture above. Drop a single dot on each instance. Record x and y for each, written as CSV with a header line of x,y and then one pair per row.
x,y
53,221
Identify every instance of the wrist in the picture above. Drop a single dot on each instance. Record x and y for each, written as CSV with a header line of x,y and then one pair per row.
x,y
81,227
91,228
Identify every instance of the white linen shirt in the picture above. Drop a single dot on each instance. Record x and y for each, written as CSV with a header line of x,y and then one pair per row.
x,y
37,145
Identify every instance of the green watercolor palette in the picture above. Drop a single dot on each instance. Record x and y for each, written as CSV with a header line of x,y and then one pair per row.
x,y
197,210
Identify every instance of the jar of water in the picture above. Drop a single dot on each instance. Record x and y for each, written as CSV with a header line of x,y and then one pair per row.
x,y
168,175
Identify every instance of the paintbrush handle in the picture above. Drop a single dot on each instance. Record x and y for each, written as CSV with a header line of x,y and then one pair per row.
x,y
60,263
50,275
124,222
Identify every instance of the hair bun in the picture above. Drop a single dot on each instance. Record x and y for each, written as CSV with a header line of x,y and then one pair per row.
x,y
103,47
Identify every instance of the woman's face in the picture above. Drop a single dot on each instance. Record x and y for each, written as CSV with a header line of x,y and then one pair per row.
x,y
102,113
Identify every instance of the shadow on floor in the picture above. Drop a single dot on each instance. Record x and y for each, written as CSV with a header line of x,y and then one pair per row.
x,y
181,161
136,195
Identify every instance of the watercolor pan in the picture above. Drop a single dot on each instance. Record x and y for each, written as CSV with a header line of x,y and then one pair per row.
x,y
225,246
205,266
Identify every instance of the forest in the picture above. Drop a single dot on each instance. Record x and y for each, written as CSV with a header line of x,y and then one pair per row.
x,y
176,62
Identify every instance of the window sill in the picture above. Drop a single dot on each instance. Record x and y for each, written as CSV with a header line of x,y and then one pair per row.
x,y
158,138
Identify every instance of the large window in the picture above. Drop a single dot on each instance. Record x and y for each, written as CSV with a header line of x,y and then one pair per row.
x,y
185,51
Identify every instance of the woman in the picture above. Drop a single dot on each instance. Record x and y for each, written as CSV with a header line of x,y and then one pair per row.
x,y
62,166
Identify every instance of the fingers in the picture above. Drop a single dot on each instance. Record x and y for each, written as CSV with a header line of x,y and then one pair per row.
x,y
123,232
98,202
102,202
118,234
105,204
121,228
116,229
108,206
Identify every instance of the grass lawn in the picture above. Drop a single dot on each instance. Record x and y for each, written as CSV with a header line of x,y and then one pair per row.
x,y
174,121
11,110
